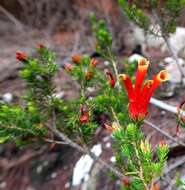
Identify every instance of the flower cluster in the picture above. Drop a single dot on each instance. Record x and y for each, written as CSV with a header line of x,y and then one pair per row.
x,y
139,95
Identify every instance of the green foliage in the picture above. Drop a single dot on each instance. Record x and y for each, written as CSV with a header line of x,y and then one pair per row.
x,y
17,122
102,35
137,153
28,120
135,14
167,12
135,184
38,73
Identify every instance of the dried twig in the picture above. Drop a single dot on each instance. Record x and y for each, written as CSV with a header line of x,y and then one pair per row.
x,y
165,37
175,165
54,142
82,150
164,133
12,18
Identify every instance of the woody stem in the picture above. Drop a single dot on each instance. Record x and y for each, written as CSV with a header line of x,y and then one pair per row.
x,y
82,89
115,116
171,50
141,175
113,62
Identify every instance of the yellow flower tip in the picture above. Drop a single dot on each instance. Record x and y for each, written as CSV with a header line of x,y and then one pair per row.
x,y
115,126
149,83
123,77
145,146
163,76
143,64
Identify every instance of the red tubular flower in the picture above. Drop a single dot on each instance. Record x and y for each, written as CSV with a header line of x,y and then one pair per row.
x,y
21,56
143,65
112,80
139,96
128,85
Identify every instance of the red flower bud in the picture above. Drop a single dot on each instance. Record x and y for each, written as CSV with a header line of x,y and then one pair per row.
x,y
89,75
112,80
125,182
93,62
76,58
69,67
40,46
155,187
84,117
21,56
163,144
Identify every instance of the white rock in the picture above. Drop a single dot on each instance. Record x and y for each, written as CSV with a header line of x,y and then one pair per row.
x,y
108,145
83,166
113,159
54,175
30,188
67,185
7,97
139,36
59,94
97,149
3,185
172,68
90,89
135,57
39,169
177,39
106,63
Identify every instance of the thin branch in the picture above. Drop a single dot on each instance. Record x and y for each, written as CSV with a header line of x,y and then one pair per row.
x,y
114,64
17,128
12,18
167,170
164,133
175,165
141,174
167,107
165,37
114,115
82,150
55,142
